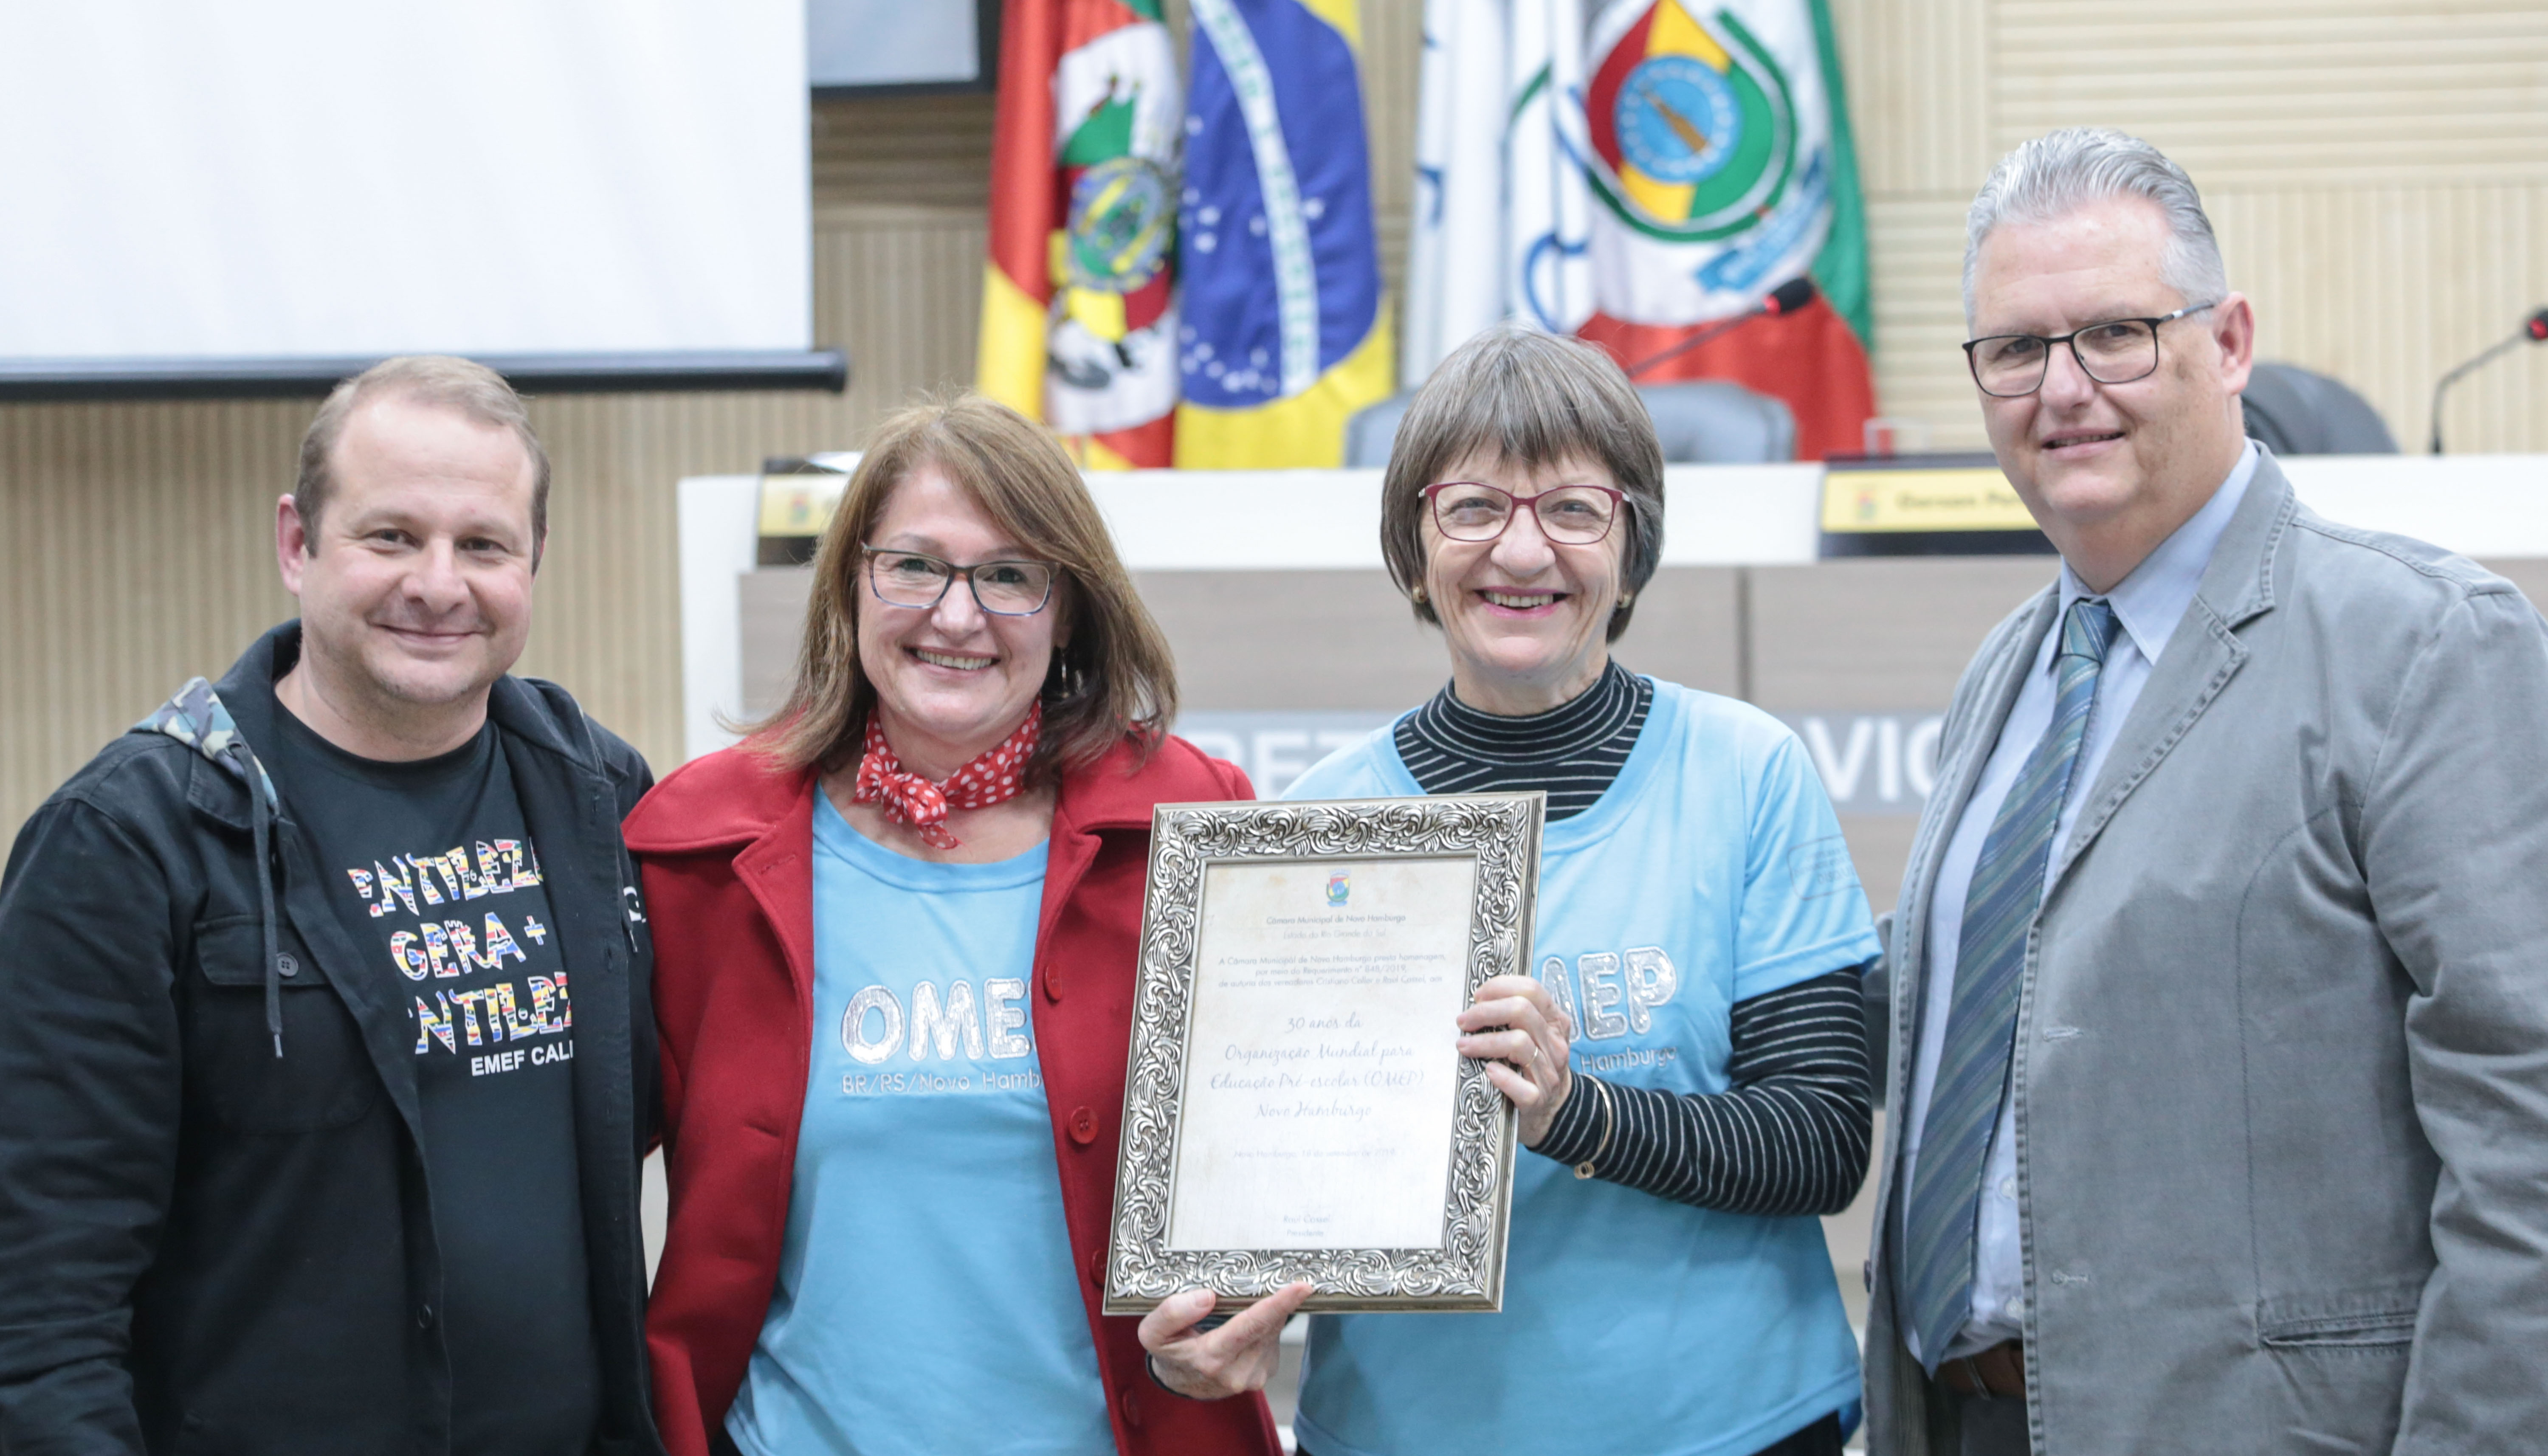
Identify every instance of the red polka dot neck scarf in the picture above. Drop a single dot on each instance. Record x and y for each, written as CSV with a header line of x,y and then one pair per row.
x,y
907,798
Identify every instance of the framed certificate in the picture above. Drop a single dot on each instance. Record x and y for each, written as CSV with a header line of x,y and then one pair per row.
x,y
1296,1105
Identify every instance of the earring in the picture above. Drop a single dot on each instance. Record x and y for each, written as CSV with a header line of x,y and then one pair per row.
x,y
1418,594
1626,597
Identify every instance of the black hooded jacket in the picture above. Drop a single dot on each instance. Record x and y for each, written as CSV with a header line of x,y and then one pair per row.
x,y
206,1246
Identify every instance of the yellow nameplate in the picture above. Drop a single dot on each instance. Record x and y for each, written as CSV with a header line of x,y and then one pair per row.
x,y
1960,499
799,505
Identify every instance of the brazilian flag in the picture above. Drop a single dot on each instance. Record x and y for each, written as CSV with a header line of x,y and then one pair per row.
x,y
1283,333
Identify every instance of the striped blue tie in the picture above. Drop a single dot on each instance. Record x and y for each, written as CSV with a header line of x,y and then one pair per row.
x,y
1937,1261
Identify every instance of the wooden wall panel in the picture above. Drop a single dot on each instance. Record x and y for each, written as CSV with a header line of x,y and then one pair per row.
x,y
1918,81
2377,171
2387,287
2276,92
1916,249
133,542
1393,46
911,150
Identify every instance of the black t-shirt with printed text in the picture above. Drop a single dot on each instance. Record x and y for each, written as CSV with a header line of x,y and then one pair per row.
x,y
431,871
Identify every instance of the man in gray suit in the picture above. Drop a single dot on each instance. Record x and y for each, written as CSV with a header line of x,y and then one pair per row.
x,y
2220,1123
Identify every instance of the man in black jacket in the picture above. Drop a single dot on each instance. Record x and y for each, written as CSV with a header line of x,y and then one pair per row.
x,y
326,1063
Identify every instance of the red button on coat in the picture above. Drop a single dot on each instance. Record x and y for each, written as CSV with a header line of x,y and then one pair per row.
x,y
1083,1127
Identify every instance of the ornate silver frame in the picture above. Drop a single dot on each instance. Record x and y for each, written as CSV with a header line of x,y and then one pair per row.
x,y
1503,832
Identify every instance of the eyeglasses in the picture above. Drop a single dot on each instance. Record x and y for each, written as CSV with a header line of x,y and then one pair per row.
x,y
1569,515
915,578
2011,366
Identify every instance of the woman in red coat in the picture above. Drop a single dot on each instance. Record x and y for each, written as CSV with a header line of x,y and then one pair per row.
x,y
895,941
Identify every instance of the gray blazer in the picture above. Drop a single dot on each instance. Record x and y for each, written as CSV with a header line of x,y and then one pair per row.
x,y
2281,1075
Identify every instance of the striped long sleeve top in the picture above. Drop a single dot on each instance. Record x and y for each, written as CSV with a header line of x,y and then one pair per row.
x,y
1791,1134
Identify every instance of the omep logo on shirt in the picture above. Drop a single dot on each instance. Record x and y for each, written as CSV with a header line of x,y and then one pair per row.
x,y
955,1023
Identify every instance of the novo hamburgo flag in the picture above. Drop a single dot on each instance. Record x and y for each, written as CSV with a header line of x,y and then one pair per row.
x,y
1079,301
1634,171
1283,333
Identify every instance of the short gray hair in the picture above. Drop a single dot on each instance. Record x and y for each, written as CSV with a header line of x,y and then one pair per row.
x,y
2061,171
462,385
1535,399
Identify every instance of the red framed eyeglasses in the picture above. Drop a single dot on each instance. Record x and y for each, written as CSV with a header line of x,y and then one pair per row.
x,y
1569,515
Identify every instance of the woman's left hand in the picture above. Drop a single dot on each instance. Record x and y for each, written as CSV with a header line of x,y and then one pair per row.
x,y
1523,1038
1209,1364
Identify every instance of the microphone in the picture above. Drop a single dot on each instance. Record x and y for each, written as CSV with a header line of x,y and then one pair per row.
x,y
2533,329
1786,298
1789,295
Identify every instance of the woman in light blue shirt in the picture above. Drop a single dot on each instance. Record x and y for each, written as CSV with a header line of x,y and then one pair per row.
x,y
1688,1058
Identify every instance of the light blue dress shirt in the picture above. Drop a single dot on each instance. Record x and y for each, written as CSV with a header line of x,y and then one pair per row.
x,y
2148,606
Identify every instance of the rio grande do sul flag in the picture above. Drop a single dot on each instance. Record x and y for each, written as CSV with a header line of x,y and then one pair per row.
x,y
1284,332
1646,168
1079,313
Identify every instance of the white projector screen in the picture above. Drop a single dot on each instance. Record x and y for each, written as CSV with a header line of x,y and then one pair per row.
x,y
342,179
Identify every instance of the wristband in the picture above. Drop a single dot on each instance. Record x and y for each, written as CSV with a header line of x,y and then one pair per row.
x,y
1150,1363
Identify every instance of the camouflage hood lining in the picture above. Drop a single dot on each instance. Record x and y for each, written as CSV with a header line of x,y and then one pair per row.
x,y
196,718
